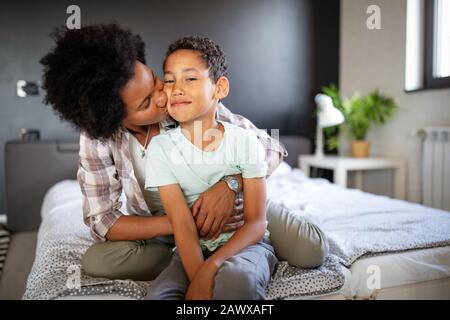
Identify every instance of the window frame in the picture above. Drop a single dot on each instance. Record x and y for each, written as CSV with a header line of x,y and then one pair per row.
x,y
430,81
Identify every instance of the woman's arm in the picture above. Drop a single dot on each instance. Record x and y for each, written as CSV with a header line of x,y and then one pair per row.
x,y
101,190
184,228
99,186
275,151
132,228
214,208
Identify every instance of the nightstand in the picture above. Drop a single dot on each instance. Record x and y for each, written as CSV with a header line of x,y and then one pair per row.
x,y
341,165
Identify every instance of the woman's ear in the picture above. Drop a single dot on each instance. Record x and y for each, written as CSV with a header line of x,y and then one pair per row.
x,y
222,88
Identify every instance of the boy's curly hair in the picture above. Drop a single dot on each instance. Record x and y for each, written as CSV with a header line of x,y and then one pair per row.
x,y
85,73
211,53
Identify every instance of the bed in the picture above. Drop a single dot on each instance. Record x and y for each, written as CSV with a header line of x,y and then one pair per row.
x,y
414,264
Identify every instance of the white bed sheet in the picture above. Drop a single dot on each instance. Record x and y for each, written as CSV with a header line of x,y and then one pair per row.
x,y
395,269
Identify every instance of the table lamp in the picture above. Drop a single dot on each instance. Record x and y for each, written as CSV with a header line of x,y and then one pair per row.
x,y
327,116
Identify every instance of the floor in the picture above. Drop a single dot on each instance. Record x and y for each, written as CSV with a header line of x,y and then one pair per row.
x,y
17,265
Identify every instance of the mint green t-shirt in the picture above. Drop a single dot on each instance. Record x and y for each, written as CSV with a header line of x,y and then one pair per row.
x,y
173,159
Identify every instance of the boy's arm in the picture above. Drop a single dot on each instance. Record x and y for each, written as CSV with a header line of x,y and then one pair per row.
x,y
184,228
202,286
254,223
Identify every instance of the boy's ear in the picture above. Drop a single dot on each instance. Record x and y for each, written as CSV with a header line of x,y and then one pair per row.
x,y
222,88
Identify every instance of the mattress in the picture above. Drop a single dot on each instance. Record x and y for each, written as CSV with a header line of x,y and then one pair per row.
x,y
295,190
397,270
394,269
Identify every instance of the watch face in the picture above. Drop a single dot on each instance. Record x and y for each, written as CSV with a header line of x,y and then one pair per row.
x,y
234,184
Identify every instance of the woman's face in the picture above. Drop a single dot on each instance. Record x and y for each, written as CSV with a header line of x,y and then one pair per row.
x,y
144,98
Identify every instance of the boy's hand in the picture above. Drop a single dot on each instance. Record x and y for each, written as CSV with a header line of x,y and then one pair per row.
x,y
202,287
215,208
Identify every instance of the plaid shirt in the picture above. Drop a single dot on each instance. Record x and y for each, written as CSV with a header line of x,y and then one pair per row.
x,y
108,183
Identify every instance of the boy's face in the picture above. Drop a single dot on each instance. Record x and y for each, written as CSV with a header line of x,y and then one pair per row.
x,y
191,92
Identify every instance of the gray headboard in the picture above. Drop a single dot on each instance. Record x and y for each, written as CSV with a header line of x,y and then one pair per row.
x,y
295,145
33,167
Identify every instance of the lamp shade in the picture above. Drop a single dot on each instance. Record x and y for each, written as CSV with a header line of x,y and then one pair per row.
x,y
328,114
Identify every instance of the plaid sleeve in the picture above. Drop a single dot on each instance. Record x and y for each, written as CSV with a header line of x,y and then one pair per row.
x,y
275,151
100,186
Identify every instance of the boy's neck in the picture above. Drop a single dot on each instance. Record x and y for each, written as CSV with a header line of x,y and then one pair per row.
x,y
204,132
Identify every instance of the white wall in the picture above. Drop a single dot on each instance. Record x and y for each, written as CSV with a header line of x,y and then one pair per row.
x,y
372,59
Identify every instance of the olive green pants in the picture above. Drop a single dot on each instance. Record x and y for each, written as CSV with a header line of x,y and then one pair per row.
x,y
294,238
136,260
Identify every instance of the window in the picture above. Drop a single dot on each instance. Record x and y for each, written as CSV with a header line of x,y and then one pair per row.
x,y
427,45
414,69
437,55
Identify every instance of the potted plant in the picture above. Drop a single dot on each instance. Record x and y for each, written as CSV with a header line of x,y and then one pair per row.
x,y
359,113
358,124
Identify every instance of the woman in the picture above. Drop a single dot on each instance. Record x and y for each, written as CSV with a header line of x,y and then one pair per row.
x,y
96,79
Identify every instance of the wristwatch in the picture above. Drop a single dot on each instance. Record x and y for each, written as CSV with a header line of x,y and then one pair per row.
x,y
232,183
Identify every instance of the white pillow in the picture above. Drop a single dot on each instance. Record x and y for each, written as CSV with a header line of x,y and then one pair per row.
x,y
282,170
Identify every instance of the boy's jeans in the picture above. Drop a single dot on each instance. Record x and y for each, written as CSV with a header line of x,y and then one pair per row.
x,y
244,276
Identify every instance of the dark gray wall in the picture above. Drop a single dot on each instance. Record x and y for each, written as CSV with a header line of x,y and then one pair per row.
x,y
280,53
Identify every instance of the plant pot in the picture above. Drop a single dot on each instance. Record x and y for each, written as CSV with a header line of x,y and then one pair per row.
x,y
360,148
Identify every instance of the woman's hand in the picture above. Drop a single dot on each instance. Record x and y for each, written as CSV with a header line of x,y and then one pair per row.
x,y
215,208
234,221
202,286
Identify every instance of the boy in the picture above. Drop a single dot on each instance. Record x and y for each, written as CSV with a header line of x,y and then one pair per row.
x,y
186,161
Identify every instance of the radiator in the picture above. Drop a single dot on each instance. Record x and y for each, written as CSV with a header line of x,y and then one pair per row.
x,y
436,167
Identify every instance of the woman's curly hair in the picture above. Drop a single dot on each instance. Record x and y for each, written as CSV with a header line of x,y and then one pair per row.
x,y
211,53
85,73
